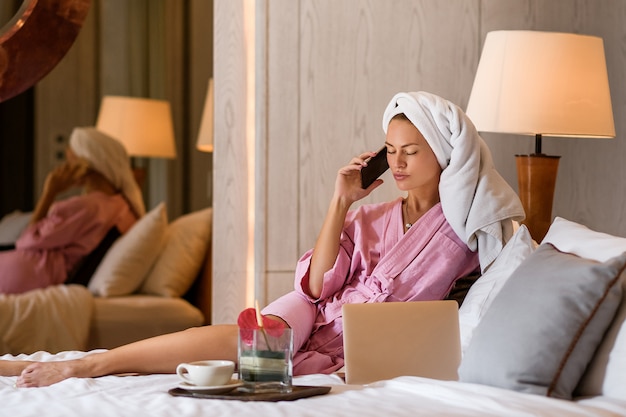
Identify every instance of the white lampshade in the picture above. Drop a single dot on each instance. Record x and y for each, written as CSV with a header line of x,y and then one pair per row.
x,y
548,83
205,134
143,125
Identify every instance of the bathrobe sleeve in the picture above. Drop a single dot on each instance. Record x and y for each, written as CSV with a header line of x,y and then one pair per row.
x,y
64,222
370,228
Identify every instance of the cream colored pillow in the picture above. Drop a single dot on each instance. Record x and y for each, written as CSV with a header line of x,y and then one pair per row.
x,y
181,259
127,262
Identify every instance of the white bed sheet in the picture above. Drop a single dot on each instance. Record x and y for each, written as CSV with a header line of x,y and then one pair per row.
x,y
146,395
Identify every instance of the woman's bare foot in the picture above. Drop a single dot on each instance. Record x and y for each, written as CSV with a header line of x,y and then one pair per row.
x,y
42,374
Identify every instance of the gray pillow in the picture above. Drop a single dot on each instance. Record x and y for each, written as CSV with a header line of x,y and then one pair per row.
x,y
544,326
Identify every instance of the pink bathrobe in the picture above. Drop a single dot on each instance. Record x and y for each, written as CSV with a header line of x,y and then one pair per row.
x,y
48,250
377,262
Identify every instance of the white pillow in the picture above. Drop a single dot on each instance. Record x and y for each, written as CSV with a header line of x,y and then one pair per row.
x,y
12,225
127,262
485,289
575,238
180,261
606,373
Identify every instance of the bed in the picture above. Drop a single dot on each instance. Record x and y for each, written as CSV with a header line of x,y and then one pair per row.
x,y
155,279
539,381
402,396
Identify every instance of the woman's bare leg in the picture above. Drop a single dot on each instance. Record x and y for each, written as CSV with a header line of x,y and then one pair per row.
x,y
160,354
12,368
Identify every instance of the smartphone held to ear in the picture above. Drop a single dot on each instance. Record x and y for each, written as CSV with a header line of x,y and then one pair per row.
x,y
376,166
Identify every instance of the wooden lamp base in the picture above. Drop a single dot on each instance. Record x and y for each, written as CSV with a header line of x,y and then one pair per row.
x,y
536,177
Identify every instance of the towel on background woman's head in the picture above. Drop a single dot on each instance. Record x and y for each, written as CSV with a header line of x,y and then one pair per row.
x,y
477,202
109,157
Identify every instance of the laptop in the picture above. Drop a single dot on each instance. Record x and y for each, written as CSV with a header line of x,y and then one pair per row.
x,y
386,340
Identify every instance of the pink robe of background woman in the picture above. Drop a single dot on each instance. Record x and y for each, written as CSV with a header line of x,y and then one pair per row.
x,y
48,250
377,262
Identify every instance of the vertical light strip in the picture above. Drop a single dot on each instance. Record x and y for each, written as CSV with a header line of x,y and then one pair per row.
x,y
249,32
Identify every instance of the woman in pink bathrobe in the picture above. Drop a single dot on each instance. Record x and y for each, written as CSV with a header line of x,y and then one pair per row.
x,y
63,232
455,218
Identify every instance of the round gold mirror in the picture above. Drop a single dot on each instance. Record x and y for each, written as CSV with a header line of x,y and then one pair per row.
x,y
33,42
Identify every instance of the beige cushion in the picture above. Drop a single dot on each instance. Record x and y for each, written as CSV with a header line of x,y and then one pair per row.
x,y
128,261
180,261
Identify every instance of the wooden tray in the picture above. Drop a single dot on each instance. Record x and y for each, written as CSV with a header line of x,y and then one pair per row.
x,y
298,391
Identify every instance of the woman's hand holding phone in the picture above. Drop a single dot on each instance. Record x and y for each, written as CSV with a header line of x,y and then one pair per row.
x,y
376,166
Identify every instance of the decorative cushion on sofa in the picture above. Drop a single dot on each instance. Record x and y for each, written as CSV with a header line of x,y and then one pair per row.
x,y
84,270
543,328
128,261
180,261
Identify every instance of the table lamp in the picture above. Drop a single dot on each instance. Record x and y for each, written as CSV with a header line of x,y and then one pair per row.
x,y
143,125
541,83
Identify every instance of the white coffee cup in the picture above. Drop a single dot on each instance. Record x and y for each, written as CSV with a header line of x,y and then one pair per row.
x,y
206,373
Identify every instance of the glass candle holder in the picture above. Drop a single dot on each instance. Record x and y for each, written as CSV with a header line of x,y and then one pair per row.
x,y
265,360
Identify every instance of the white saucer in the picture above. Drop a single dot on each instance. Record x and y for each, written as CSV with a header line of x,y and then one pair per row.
x,y
215,389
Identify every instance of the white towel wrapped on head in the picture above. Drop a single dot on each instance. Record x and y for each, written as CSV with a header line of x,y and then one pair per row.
x,y
477,202
109,157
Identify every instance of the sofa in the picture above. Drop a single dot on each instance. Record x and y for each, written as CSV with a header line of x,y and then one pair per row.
x,y
154,279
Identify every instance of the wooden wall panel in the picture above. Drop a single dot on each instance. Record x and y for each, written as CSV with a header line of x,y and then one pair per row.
x,y
230,177
283,106
277,284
